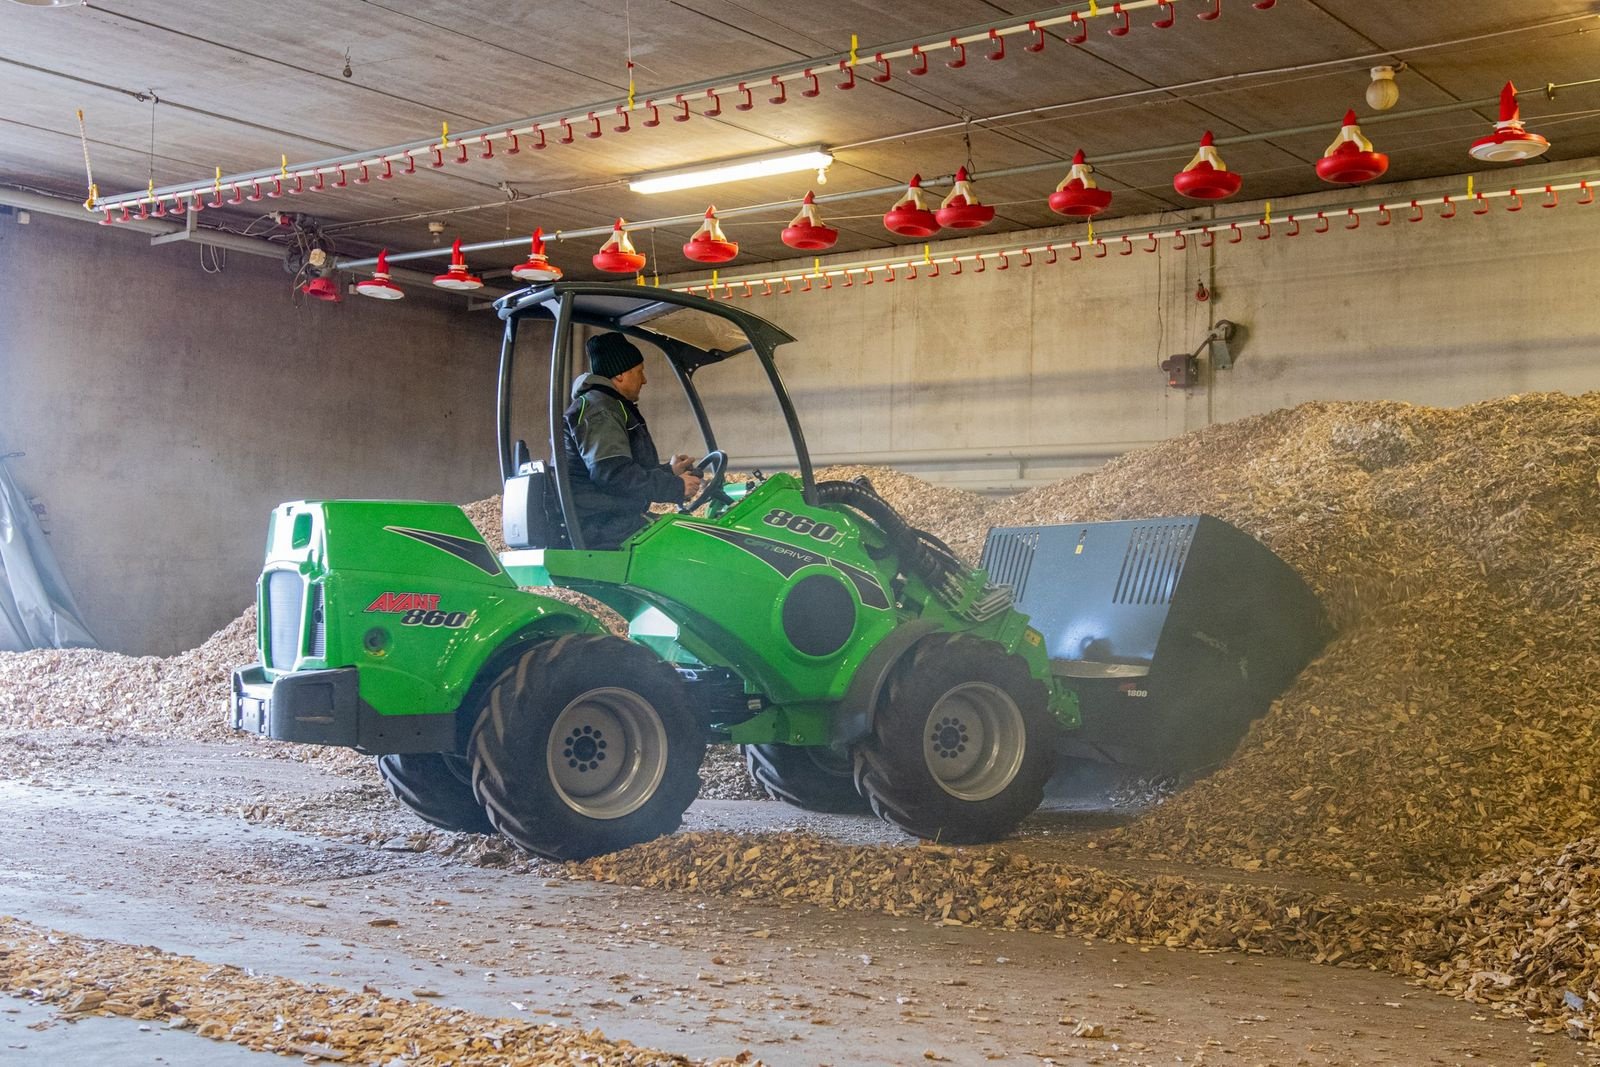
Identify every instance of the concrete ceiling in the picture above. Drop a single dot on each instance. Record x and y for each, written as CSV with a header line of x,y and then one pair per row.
x,y
240,84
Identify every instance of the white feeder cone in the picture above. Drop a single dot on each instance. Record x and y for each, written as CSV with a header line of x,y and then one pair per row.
x,y
619,241
1206,155
710,229
808,212
1081,173
1349,133
912,197
962,193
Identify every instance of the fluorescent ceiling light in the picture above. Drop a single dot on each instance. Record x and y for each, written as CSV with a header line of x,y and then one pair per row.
x,y
735,170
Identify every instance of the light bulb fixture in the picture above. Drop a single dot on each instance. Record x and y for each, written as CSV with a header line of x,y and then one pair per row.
x,y
1383,93
734,170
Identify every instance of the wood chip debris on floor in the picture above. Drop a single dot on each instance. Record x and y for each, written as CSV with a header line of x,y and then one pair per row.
x,y
1497,941
81,976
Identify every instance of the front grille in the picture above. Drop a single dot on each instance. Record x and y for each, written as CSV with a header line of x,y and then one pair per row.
x,y
1153,563
319,626
285,599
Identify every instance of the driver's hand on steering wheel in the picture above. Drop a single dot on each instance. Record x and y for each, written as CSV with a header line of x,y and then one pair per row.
x,y
691,482
681,463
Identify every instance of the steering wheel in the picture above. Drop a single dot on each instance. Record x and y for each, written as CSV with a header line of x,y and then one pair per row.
x,y
716,462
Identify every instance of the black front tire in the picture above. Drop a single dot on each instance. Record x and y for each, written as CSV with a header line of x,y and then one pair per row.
x,y
586,746
437,786
814,778
962,744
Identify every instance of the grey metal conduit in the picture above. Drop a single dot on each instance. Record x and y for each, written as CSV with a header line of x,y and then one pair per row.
x,y
1031,168
60,207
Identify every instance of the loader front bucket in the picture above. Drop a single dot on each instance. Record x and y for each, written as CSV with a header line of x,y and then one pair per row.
x,y
1176,633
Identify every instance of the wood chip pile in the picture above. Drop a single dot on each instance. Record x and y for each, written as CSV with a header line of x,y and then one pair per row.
x,y
1454,724
1524,939
184,696
84,977
959,518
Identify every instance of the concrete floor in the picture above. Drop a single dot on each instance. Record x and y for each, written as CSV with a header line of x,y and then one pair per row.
x,y
141,843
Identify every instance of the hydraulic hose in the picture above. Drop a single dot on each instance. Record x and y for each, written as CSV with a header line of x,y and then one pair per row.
x,y
922,553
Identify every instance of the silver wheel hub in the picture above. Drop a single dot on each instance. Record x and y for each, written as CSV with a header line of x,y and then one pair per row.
x,y
974,741
607,753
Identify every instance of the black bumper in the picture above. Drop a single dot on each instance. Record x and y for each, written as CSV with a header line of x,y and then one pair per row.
x,y
325,708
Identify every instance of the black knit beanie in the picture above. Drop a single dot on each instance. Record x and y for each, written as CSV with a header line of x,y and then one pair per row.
x,y
611,354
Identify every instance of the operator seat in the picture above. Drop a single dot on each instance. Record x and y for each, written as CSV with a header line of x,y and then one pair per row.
x,y
530,510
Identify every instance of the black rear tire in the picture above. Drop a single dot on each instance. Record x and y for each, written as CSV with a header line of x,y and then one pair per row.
x,y
962,743
437,786
586,746
815,778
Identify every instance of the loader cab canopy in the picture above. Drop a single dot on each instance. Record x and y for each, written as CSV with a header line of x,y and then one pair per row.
x,y
542,354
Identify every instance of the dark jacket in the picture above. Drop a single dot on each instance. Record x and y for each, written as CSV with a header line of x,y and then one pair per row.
x,y
612,464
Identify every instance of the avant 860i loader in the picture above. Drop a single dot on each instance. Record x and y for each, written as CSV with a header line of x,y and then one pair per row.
x,y
858,661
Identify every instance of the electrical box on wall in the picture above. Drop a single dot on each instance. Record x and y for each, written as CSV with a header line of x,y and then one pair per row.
x,y
1183,369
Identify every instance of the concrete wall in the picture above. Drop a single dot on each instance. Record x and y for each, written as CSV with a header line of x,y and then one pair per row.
x,y
164,411
1438,312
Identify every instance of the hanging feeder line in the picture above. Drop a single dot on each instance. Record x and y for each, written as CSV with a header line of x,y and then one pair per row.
x,y
1159,151
1099,246
560,128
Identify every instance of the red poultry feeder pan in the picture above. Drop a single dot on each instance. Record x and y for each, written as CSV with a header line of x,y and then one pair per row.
x,y
1352,167
1350,159
322,289
379,287
709,244
1207,177
537,267
806,232
910,216
457,277
1510,140
1078,195
617,255
961,209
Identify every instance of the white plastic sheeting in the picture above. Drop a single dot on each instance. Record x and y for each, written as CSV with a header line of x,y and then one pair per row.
x,y
36,607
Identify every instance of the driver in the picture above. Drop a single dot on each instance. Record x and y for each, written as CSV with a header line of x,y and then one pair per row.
x,y
612,463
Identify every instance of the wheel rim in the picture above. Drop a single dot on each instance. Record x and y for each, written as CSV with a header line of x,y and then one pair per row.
x,y
974,741
607,753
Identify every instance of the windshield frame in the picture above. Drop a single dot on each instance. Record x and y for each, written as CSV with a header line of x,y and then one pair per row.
x,y
561,302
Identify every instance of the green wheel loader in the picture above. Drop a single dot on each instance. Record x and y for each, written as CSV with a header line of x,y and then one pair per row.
x,y
859,662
